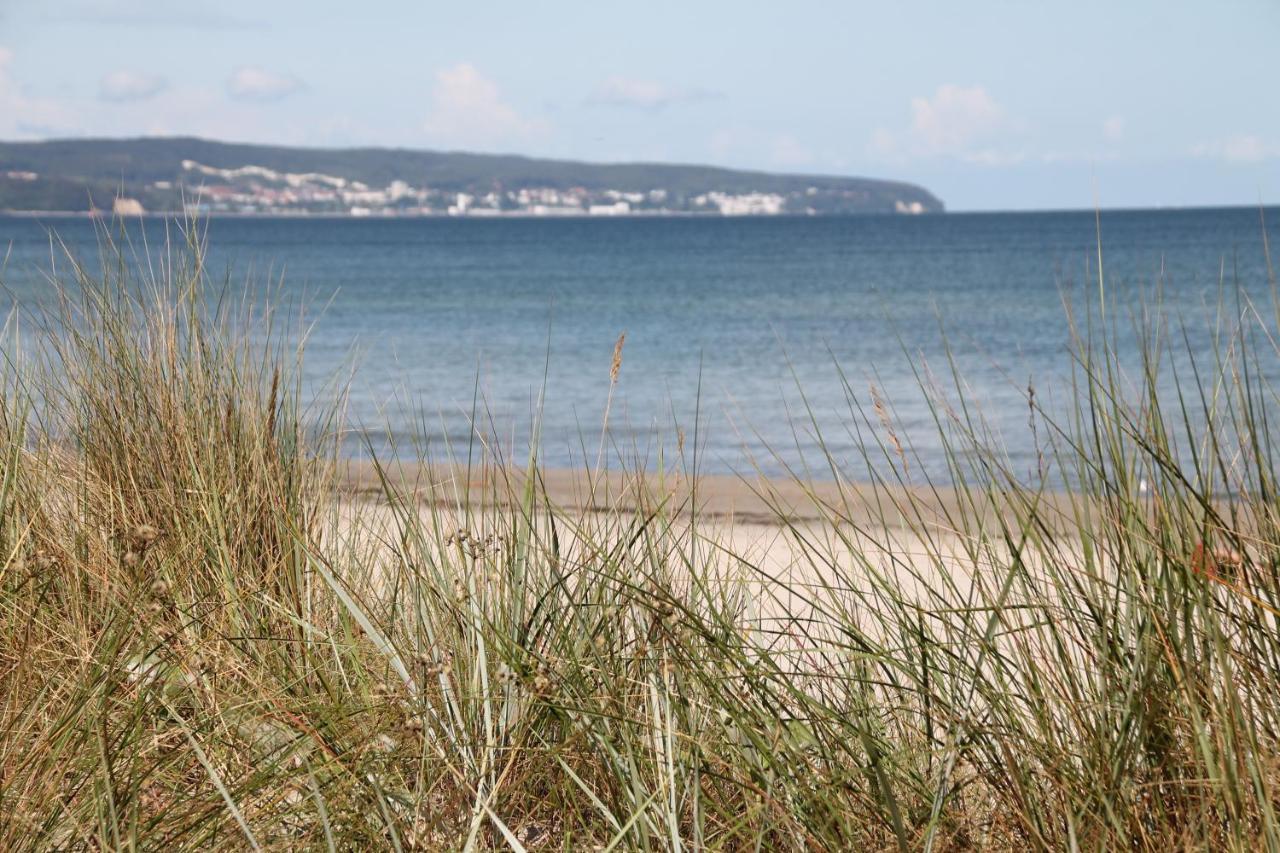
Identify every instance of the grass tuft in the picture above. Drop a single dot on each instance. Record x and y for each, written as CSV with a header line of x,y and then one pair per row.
x,y
206,641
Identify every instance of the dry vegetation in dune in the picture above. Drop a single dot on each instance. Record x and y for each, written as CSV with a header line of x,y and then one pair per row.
x,y
203,645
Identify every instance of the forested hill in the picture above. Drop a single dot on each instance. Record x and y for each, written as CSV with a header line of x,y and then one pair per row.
x,y
166,173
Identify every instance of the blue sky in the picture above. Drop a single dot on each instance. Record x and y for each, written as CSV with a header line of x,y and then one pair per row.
x,y
992,105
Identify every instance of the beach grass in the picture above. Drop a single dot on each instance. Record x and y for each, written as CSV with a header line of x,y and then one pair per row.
x,y
207,642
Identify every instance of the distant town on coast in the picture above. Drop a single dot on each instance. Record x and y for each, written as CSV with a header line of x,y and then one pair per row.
x,y
195,176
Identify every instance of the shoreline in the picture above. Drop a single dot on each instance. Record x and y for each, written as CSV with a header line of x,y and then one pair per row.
x,y
227,214
727,498
158,214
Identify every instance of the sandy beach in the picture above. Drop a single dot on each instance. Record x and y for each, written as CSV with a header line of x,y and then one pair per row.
x,y
797,547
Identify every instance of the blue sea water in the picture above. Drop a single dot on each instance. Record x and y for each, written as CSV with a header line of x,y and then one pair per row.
x,y
742,331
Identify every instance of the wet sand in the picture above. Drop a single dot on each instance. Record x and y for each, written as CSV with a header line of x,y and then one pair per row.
x,y
739,500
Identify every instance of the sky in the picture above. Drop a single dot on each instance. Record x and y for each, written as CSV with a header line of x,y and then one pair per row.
x,y
991,105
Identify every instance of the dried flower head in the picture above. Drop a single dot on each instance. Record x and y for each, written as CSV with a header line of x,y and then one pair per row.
x,y
142,535
444,667
883,414
617,358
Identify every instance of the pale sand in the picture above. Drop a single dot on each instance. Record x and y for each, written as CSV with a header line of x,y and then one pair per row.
x,y
738,500
785,540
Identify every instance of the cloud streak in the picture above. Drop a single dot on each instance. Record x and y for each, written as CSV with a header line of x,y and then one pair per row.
x,y
127,85
644,94
1242,148
250,83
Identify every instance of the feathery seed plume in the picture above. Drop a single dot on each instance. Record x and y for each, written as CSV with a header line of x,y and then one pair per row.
x,y
617,358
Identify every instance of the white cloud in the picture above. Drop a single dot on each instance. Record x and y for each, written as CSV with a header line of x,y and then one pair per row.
x,y
1113,129
24,116
468,111
884,143
957,121
644,94
126,85
724,141
789,151
184,111
954,117
624,92
1244,148
250,83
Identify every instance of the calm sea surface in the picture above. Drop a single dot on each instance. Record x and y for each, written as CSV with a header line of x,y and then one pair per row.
x,y
731,324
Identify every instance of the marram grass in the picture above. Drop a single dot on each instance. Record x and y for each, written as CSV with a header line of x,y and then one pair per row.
x,y
203,646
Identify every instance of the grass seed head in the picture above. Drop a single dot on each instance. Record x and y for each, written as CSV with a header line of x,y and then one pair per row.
x,y
142,535
616,366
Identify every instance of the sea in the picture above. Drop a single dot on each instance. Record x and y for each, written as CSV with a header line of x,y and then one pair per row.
x,y
754,344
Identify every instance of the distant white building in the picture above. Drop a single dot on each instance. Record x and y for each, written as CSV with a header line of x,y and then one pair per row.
x,y
747,204
618,208
127,207
554,210
462,203
914,207
365,197
619,195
